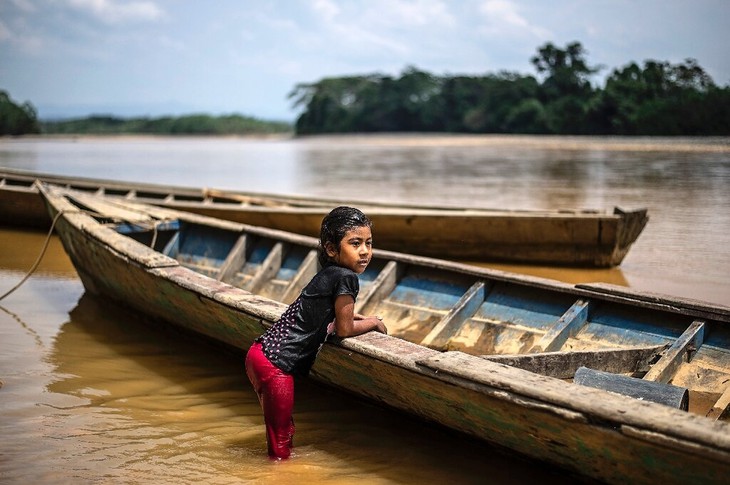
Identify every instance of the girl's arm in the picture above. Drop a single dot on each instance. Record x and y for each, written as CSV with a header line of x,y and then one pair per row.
x,y
348,324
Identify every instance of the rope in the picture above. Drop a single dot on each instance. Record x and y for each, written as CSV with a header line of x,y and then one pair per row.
x,y
38,260
48,240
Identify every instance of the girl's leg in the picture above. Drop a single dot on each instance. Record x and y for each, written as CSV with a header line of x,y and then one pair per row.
x,y
275,390
278,405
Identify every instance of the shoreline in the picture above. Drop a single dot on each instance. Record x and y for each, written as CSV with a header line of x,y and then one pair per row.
x,y
432,140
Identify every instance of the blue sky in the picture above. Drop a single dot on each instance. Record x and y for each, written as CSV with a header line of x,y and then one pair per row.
x,y
171,57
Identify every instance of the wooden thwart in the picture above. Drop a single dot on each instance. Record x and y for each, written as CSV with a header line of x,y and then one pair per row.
x,y
306,272
721,410
681,350
568,325
269,267
667,394
382,286
235,259
449,326
563,365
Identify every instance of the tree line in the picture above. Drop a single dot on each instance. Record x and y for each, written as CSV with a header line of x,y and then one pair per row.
x,y
22,119
196,124
656,98
17,119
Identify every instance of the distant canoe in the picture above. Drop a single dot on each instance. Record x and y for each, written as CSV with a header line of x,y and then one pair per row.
x,y
488,353
561,237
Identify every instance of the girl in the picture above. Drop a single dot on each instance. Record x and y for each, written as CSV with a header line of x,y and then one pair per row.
x,y
325,305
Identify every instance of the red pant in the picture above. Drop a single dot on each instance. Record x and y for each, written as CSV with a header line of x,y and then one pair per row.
x,y
275,389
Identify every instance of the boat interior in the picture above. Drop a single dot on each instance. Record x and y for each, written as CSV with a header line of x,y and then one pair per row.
x,y
551,329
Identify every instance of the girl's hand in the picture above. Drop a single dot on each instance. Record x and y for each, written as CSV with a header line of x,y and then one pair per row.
x,y
348,323
379,325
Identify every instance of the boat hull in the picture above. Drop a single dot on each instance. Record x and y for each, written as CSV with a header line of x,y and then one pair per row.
x,y
569,238
608,437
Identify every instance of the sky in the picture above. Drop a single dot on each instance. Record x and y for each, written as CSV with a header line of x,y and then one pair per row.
x,y
73,58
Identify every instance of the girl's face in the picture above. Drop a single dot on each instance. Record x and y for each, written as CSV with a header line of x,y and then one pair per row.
x,y
355,251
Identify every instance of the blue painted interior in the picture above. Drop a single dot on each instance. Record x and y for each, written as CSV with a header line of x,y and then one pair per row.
x,y
292,261
625,325
438,294
258,249
204,243
524,306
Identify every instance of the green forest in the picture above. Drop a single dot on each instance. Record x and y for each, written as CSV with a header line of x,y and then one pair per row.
x,y
17,119
22,120
656,98
652,99
196,124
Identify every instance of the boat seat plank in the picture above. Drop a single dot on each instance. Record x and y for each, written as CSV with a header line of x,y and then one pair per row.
x,y
111,209
306,272
563,365
268,268
662,393
235,259
384,283
721,409
680,350
449,326
568,325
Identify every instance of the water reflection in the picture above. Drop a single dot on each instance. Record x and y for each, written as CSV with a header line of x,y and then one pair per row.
x,y
134,401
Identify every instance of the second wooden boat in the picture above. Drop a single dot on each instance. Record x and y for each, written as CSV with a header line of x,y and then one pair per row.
x,y
561,237
617,385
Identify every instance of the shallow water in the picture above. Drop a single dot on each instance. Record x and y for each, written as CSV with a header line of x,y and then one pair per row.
x,y
92,393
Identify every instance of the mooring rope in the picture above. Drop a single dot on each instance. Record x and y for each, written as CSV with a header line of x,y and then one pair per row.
x,y
38,260
50,233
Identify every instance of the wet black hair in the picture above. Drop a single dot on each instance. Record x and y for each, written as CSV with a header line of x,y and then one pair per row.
x,y
334,227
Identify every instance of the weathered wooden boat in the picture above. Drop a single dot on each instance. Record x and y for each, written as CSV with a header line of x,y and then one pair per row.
x,y
579,237
487,353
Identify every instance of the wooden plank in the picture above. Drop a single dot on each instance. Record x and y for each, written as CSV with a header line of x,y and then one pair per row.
x,y
306,272
658,392
449,326
110,209
681,350
721,409
563,365
567,326
235,259
269,267
654,300
380,288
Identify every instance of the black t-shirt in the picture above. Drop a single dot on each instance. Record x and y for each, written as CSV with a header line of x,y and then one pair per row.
x,y
293,341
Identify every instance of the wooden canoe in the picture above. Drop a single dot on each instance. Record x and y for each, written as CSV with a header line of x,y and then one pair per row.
x,y
484,352
578,237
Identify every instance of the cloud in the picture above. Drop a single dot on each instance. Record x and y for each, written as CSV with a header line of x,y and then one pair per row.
x,y
393,29
417,13
21,39
24,5
502,17
327,9
4,32
115,12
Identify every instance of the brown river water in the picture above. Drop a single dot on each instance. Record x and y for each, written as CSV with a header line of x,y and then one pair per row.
x,y
90,394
